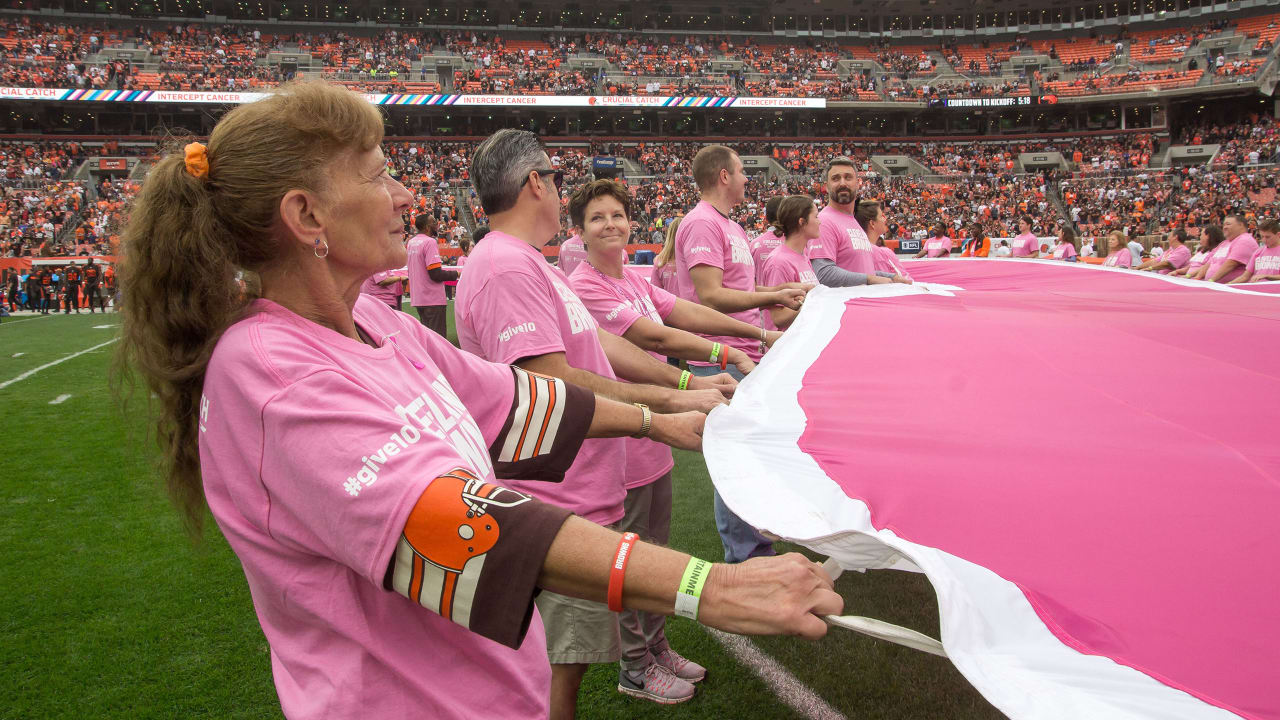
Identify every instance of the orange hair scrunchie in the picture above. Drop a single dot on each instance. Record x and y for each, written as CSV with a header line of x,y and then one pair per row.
x,y
197,160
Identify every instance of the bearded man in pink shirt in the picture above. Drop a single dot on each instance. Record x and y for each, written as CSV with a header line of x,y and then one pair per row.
x,y
842,255
514,307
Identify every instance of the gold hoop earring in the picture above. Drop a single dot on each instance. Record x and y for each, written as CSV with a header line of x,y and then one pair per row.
x,y
321,242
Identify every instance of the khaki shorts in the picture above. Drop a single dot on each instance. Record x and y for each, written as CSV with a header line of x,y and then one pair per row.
x,y
578,631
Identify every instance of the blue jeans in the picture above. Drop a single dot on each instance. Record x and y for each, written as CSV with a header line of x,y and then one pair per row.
x,y
740,540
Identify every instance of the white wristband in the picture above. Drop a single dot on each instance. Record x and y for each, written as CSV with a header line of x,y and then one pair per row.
x,y
687,606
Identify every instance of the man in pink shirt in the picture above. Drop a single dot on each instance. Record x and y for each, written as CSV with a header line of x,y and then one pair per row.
x,y
572,253
513,307
842,255
1229,260
427,275
1026,244
1175,258
1265,263
386,287
714,268
767,241
937,246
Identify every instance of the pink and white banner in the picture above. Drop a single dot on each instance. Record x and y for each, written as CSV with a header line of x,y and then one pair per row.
x,y
1084,461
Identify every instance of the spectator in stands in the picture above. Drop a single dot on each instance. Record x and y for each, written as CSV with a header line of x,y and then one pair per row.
x,y
1135,251
513,307
1265,263
1175,258
1228,260
978,244
714,268
1003,249
291,386
1118,253
797,221
1065,249
1087,248
1026,244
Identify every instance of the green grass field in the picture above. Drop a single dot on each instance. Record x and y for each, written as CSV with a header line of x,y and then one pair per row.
x,y
111,612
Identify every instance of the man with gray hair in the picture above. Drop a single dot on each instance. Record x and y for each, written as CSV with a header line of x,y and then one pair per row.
x,y
513,307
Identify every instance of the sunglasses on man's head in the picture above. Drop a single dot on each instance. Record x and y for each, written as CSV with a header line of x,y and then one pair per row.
x,y
557,176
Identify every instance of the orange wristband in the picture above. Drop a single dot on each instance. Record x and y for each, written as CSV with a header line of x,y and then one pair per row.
x,y
619,570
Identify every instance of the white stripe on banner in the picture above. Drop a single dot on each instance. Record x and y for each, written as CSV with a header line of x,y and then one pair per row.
x,y
59,361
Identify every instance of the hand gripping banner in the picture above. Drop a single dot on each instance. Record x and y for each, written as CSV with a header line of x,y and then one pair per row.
x,y
1084,461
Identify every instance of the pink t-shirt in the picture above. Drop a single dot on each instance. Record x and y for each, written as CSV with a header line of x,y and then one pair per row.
x,y
388,295
706,237
572,252
1196,261
512,304
313,449
1120,258
843,241
887,261
1064,251
1025,244
617,304
937,247
664,276
424,254
786,265
1177,257
761,245
462,260
1265,261
1241,249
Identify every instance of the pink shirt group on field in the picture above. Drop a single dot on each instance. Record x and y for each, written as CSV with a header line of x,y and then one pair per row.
x,y
424,254
617,304
315,522
708,238
512,304
843,241
1240,248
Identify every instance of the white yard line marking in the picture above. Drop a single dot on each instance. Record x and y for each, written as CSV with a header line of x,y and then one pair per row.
x,y
19,354
104,327
59,361
60,399
791,691
15,322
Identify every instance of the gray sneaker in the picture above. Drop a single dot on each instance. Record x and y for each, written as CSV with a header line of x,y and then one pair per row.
x,y
681,667
656,683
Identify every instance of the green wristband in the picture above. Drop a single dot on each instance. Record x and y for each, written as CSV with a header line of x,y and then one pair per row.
x,y
690,590
684,379
716,349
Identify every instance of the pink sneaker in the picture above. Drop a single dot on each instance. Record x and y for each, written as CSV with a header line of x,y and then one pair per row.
x,y
657,683
681,667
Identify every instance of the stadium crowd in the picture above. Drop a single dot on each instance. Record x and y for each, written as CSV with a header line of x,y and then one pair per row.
x,y
233,57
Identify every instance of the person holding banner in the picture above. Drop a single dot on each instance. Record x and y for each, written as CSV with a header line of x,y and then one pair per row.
x,y
870,215
842,255
1118,253
350,456
1026,244
798,223
1210,238
1175,258
1265,263
1065,249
